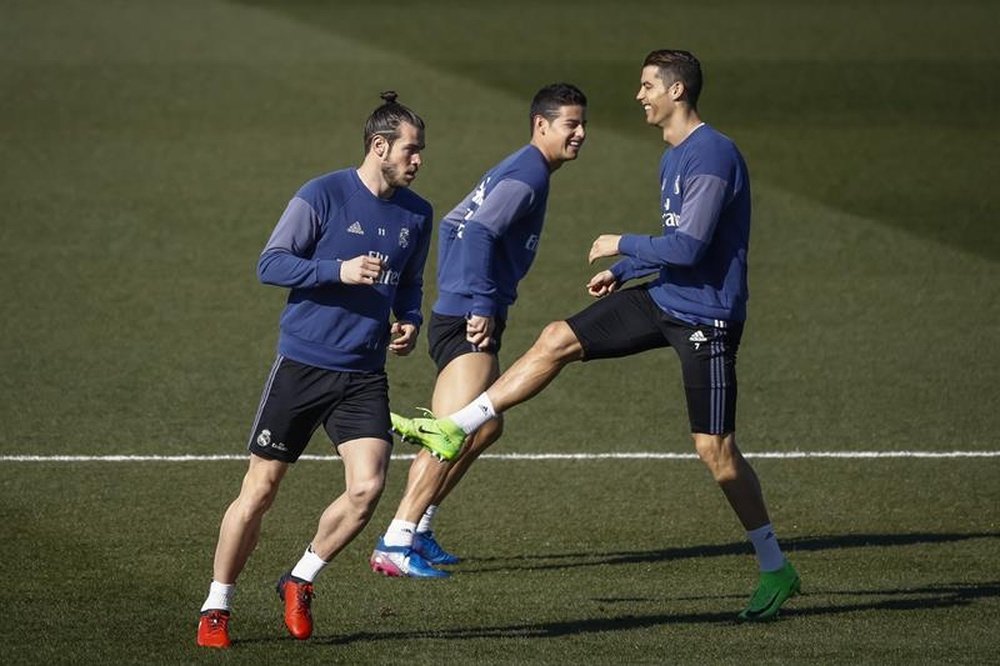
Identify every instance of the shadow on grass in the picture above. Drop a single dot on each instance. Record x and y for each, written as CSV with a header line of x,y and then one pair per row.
x,y
541,562
933,597
919,598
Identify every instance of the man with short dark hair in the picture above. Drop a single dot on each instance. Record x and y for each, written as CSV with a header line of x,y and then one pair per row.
x,y
696,305
351,247
486,246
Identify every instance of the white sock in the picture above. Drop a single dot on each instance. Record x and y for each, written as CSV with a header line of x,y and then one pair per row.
x,y
765,544
425,520
400,533
220,597
475,414
309,566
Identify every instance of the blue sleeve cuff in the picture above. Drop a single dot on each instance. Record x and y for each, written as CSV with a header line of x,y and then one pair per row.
x,y
627,244
620,269
328,271
415,318
483,307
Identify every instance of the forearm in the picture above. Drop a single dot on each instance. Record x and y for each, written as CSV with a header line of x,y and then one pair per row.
x,y
676,248
630,268
279,267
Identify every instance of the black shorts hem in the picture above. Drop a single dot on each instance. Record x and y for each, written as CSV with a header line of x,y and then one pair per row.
x,y
299,398
268,454
383,436
584,343
446,339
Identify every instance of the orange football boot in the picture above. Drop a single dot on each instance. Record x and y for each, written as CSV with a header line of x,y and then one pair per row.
x,y
213,629
297,595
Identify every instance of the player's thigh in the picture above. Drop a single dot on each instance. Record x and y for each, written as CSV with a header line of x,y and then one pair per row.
x,y
446,339
362,410
462,379
366,460
295,399
265,471
620,324
464,370
262,478
708,366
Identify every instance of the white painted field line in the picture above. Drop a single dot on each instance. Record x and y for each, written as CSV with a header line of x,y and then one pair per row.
x,y
780,455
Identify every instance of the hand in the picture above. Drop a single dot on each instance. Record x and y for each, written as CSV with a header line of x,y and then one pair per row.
x,y
362,269
479,329
606,245
403,337
602,284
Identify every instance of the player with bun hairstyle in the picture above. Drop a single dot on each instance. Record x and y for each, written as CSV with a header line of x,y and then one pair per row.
x,y
350,247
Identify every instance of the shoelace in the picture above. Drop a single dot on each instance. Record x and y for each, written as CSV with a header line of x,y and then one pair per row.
x,y
305,596
432,546
217,622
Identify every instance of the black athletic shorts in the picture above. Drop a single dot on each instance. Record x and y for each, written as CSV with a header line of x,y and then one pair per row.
x,y
446,339
627,322
298,398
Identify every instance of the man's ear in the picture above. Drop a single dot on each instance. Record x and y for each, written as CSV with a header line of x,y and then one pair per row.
x,y
539,124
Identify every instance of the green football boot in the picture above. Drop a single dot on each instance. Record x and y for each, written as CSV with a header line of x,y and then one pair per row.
x,y
441,437
774,588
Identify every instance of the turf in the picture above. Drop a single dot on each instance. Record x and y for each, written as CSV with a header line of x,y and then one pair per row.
x,y
148,149
651,573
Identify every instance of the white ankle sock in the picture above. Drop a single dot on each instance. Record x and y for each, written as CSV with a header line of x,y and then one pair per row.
x,y
400,533
765,544
309,566
425,520
220,597
475,414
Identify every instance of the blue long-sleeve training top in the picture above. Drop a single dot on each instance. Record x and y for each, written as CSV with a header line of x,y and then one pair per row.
x,y
487,242
331,219
702,253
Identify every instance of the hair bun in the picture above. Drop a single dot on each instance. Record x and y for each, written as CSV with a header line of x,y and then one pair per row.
x,y
389,96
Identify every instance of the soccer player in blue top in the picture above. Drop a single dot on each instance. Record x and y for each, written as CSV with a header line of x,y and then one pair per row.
x,y
486,246
696,305
351,247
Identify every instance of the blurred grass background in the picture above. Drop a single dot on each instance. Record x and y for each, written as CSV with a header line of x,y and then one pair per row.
x,y
148,149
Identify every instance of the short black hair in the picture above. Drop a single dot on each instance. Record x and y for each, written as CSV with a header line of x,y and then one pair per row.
x,y
552,97
677,65
386,119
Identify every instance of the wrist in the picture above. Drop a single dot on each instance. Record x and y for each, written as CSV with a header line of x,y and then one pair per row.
x,y
328,271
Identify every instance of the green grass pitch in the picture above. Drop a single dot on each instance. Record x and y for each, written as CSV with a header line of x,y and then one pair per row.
x,y
146,150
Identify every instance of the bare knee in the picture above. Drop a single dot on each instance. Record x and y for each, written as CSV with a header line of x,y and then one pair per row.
x,y
364,493
558,343
720,455
257,494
